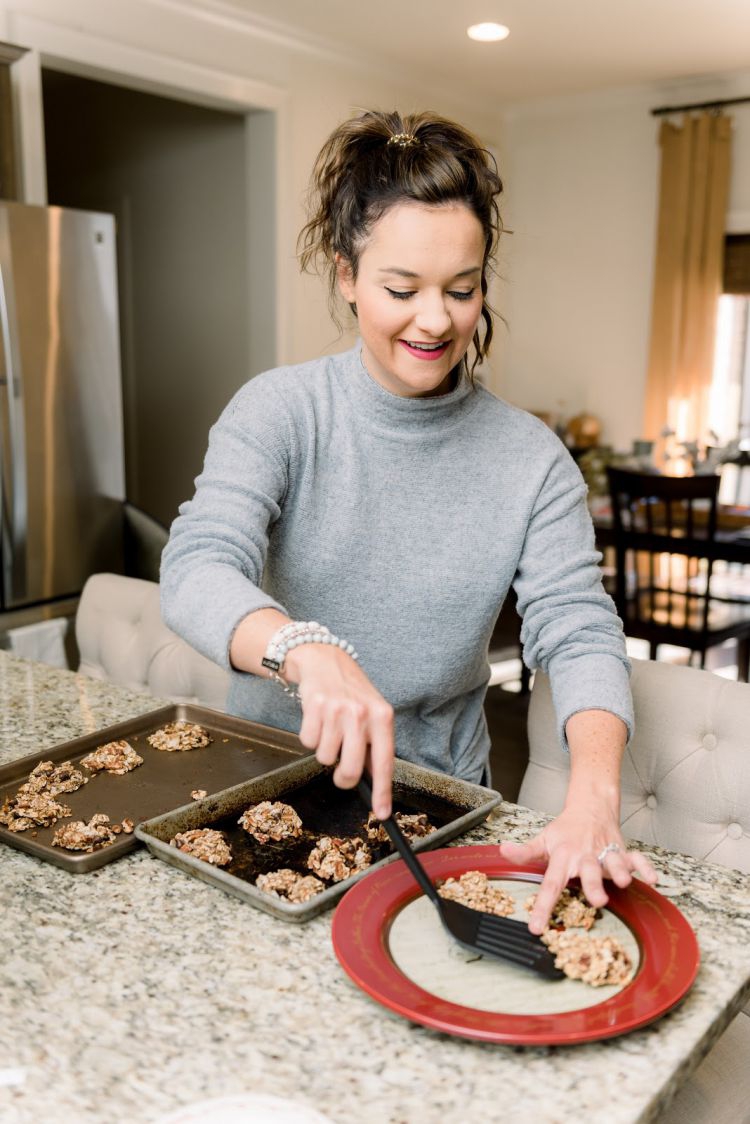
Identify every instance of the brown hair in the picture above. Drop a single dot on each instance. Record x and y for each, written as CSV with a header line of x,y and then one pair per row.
x,y
377,159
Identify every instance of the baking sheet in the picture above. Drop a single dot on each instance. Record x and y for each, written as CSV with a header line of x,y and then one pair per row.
x,y
451,804
240,749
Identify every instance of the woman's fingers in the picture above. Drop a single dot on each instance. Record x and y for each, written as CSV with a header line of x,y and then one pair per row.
x,y
641,866
343,732
532,851
622,865
312,725
592,881
381,757
353,725
553,883
576,858
617,864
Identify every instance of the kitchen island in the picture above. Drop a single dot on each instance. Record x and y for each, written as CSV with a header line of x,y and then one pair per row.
x,y
134,989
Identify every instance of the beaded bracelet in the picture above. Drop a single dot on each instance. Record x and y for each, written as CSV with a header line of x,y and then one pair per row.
x,y
291,636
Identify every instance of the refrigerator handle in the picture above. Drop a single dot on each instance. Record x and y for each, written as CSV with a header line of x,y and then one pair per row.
x,y
15,520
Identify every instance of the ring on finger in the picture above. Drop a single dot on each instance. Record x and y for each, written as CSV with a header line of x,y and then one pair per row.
x,y
610,849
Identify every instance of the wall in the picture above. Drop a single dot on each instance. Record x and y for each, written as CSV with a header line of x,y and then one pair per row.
x,y
582,177
317,88
581,180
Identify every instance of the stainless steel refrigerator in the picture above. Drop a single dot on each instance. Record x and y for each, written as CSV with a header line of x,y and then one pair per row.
x,y
61,426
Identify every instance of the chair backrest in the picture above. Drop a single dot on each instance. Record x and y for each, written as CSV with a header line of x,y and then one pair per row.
x,y
121,637
144,538
663,529
686,772
737,472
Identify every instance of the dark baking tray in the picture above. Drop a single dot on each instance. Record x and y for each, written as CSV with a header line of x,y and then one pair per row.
x,y
240,750
452,805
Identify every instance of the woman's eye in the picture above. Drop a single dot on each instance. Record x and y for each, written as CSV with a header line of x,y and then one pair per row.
x,y
461,296
400,294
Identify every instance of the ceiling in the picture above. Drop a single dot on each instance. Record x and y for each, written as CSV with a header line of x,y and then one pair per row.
x,y
554,47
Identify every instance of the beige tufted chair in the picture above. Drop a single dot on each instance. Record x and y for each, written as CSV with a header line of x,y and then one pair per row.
x,y
685,787
121,637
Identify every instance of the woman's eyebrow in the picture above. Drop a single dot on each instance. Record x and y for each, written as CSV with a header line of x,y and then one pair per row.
x,y
408,273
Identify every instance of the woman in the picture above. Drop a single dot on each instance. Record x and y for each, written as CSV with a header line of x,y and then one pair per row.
x,y
383,494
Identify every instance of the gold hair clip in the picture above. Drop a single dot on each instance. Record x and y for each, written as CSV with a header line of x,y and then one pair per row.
x,y
403,140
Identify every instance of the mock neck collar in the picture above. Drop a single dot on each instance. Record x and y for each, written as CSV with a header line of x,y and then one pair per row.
x,y
394,411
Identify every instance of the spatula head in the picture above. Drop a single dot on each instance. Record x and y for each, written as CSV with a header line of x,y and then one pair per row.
x,y
501,937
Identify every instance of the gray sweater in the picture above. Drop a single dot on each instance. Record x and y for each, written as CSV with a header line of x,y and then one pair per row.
x,y
400,523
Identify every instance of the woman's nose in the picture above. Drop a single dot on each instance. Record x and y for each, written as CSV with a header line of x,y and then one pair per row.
x,y
432,316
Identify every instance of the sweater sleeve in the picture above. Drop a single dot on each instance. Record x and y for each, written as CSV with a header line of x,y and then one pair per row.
x,y
212,566
570,626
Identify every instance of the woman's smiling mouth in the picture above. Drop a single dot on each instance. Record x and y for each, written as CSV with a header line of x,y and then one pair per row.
x,y
425,350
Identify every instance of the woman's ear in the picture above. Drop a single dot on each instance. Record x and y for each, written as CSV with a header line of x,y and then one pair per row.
x,y
345,278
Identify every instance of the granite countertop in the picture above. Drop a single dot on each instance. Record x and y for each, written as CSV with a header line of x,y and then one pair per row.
x,y
133,990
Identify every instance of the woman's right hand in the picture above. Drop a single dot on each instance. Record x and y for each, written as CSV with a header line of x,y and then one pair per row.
x,y
345,719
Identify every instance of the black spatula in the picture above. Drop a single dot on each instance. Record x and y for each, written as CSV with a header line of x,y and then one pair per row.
x,y
484,933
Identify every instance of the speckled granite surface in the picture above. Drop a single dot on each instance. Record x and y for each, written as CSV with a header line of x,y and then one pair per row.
x,y
133,990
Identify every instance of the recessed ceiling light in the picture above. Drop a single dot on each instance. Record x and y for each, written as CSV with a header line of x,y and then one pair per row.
x,y
488,32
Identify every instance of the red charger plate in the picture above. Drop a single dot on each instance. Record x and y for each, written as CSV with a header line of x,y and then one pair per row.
x,y
669,956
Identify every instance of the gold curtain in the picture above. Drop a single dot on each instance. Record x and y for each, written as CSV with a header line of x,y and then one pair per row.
x,y
687,277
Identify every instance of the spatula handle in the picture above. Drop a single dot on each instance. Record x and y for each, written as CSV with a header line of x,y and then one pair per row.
x,y
400,843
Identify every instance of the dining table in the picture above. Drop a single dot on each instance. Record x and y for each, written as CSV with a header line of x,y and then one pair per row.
x,y
133,990
731,542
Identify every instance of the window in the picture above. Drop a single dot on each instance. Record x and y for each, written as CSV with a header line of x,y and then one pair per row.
x,y
729,407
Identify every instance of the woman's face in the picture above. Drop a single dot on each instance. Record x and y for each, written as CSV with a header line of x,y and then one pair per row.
x,y
418,295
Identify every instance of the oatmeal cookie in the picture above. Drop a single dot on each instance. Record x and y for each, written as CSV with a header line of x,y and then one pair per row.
x,y
473,890
34,804
53,779
413,825
80,836
271,820
594,960
31,809
204,843
178,737
288,884
572,911
336,859
116,757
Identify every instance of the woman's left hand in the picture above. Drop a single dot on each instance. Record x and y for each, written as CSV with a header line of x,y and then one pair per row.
x,y
570,845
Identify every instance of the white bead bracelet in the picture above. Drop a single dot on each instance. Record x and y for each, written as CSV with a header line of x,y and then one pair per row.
x,y
291,636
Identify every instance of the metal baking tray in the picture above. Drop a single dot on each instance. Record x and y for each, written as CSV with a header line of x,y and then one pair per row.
x,y
240,749
452,805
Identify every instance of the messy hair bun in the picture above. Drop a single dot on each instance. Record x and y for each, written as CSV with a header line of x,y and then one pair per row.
x,y
375,160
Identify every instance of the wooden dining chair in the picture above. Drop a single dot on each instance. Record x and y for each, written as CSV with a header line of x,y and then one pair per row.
x,y
664,533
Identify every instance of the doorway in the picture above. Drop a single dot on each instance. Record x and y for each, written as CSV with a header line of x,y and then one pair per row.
x,y
196,307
